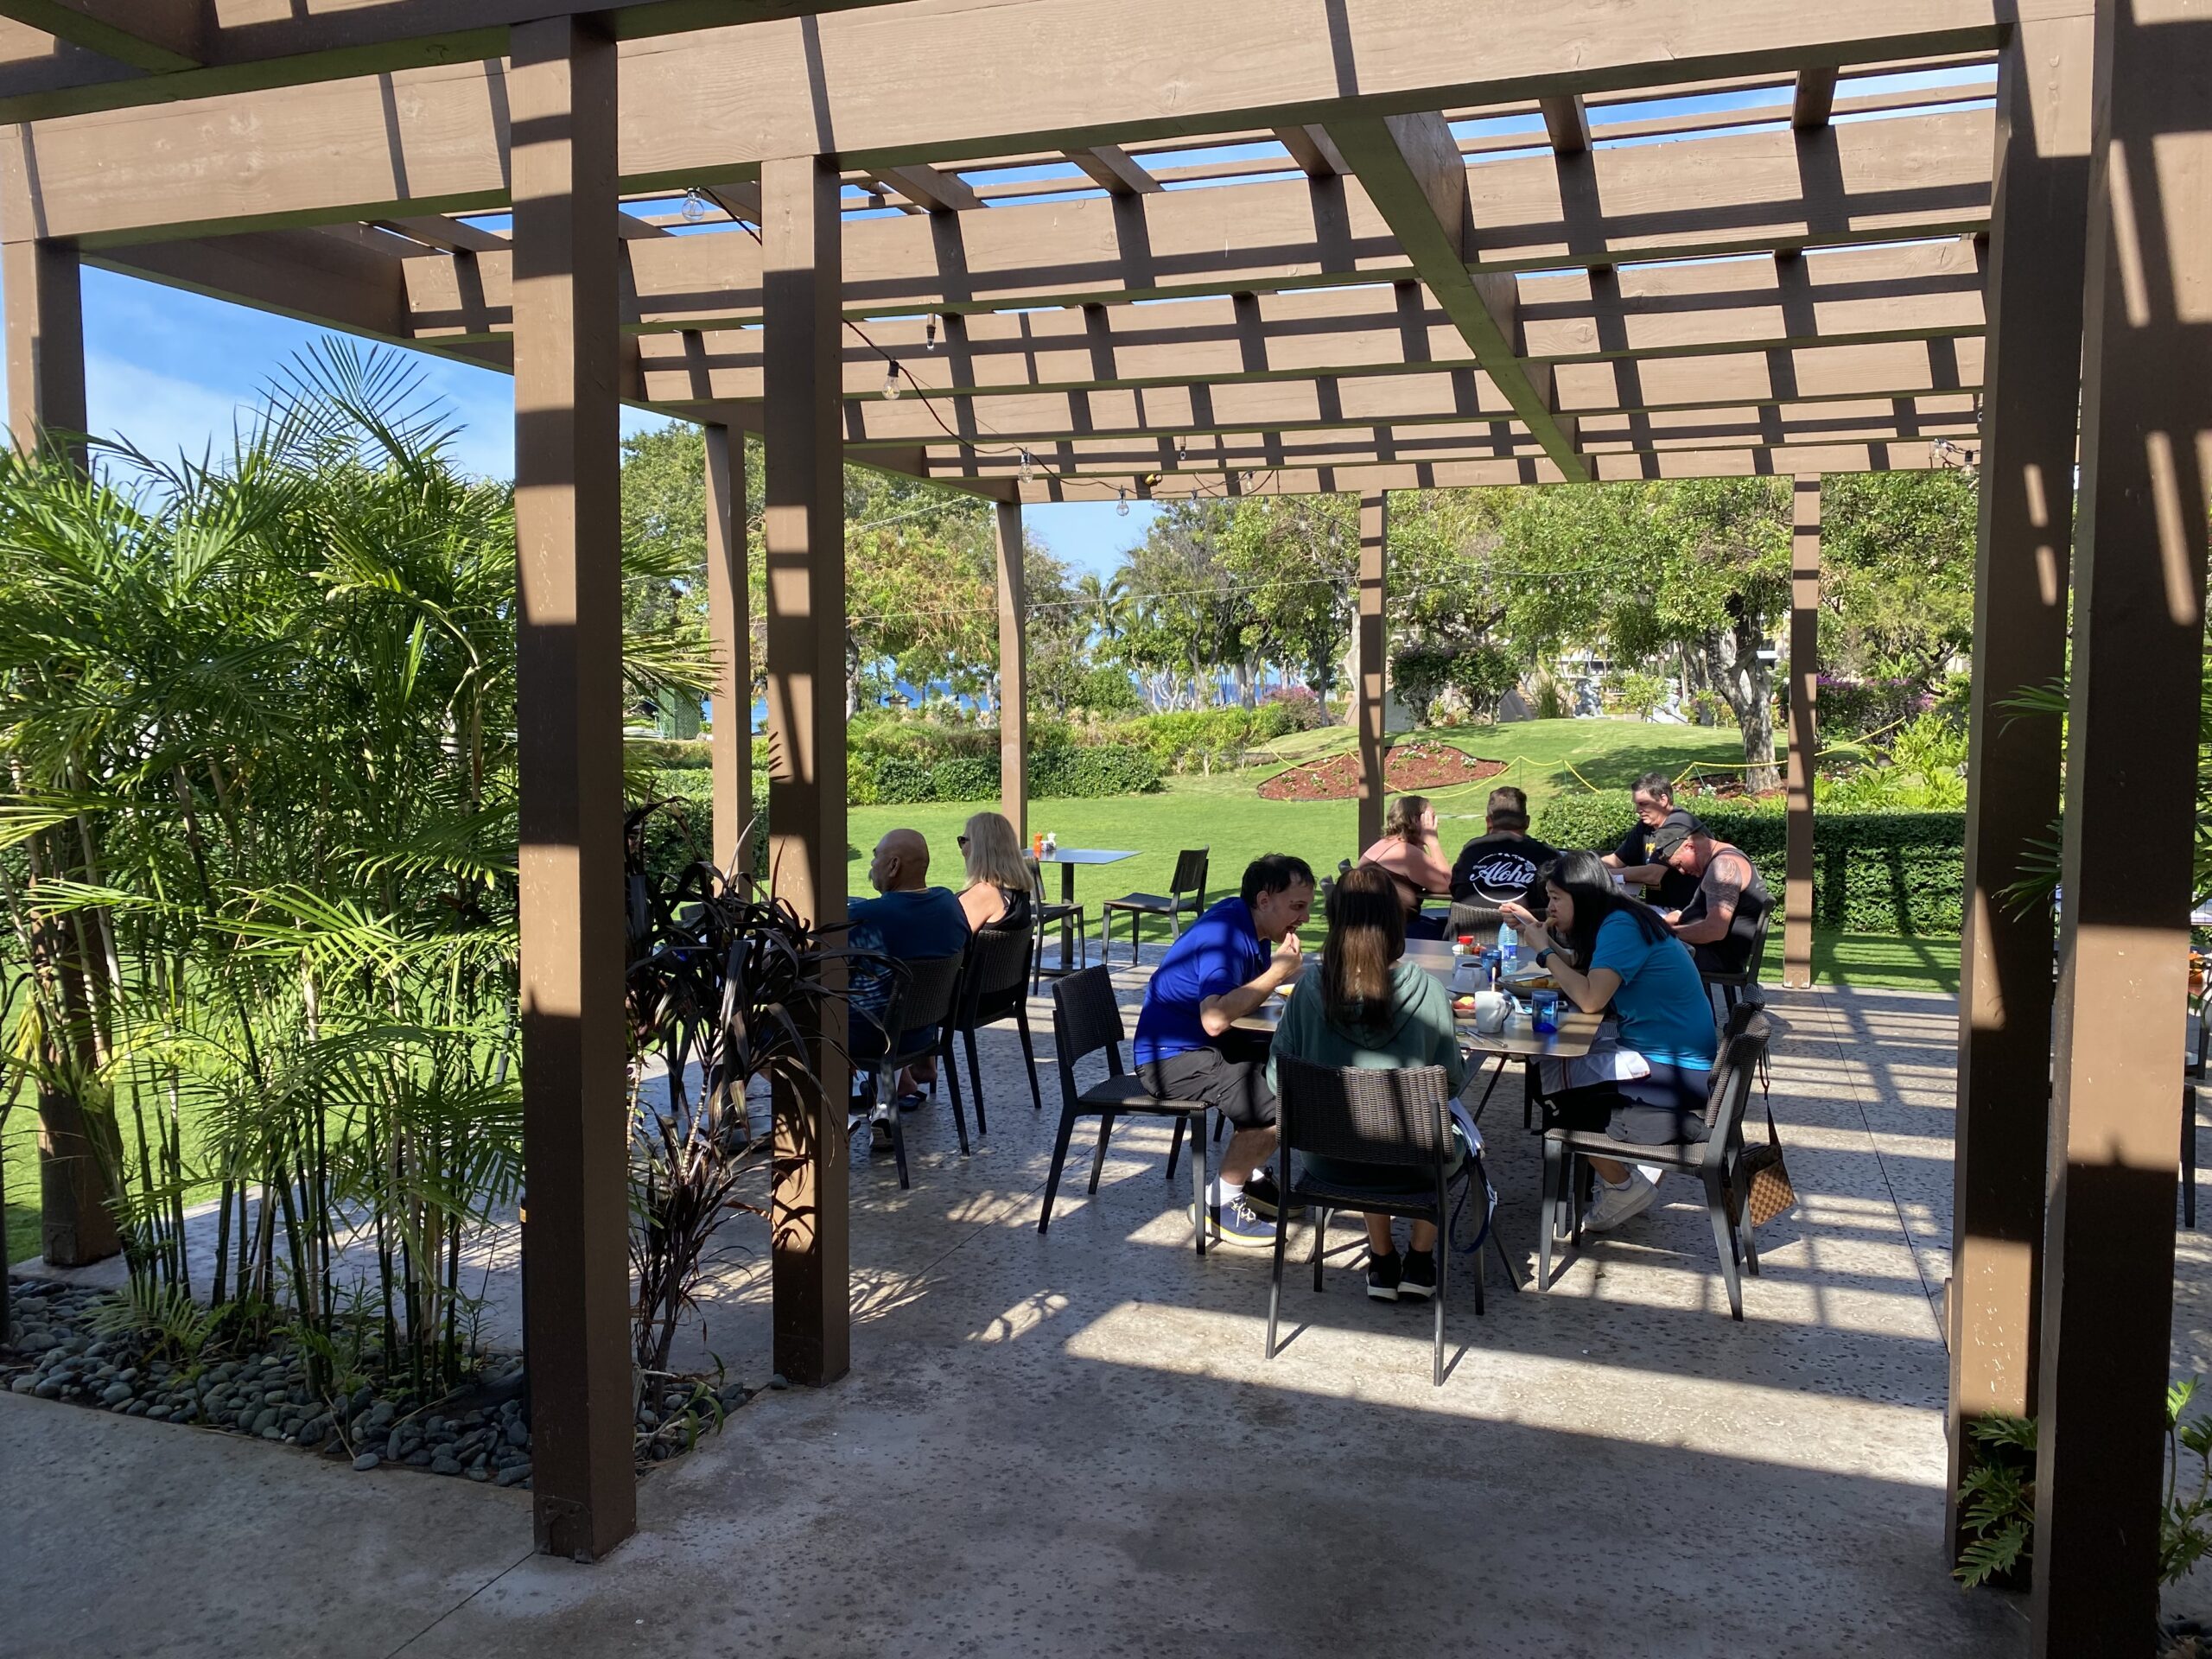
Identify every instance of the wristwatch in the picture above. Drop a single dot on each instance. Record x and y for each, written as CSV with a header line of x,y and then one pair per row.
x,y
1541,954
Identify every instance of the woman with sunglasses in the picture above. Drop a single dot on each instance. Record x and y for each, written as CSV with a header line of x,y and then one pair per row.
x,y
997,893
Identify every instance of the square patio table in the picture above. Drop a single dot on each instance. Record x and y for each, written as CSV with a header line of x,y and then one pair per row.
x,y
1069,858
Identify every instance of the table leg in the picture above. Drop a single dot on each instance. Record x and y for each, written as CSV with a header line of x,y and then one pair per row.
x,y
1067,922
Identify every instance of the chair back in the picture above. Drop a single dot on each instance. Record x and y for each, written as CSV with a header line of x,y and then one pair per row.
x,y
933,986
1743,1047
1758,958
1189,874
1358,1115
1470,917
998,969
1085,1018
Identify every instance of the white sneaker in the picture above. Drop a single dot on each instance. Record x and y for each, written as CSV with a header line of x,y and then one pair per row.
x,y
1616,1204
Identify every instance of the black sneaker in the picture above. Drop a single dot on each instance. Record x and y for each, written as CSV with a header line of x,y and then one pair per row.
x,y
1417,1279
1260,1192
1383,1273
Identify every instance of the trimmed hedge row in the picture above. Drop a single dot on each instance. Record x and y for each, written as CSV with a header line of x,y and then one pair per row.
x,y
1097,769
1895,873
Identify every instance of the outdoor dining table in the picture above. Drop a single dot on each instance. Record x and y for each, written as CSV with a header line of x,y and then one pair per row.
x,y
1069,858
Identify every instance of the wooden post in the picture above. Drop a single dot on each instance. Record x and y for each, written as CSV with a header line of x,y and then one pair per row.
x,y
730,627
2131,783
1374,531
2022,554
805,533
568,528
1014,674
45,394
1804,681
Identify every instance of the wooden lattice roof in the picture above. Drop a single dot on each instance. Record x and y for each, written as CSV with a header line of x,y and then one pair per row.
x,y
1136,251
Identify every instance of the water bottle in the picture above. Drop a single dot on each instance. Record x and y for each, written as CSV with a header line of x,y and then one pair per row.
x,y
1508,950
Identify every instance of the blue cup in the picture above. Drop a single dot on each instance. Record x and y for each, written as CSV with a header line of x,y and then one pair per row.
x,y
1545,1006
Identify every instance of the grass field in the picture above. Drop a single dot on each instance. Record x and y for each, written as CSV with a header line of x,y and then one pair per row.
x,y
1226,814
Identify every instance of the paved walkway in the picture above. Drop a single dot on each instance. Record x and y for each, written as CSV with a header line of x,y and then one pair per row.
x,y
1072,1444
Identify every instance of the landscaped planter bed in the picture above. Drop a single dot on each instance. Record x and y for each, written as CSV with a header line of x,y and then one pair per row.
x,y
1408,767
482,1434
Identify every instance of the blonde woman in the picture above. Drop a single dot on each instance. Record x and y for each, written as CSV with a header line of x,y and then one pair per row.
x,y
997,893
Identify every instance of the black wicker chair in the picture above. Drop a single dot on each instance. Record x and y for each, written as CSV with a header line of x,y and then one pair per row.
x,y
1743,985
923,995
1048,916
1185,896
1470,917
1718,1161
1086,1019
1400,1119
994,987
2195,1075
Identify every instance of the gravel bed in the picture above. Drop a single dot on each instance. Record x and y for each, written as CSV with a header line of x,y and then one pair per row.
x,y
482,1434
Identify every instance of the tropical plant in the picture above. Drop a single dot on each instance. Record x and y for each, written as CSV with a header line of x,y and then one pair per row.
x,y
258,717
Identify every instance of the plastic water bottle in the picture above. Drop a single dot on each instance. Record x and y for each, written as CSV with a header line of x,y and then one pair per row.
x,y
1509,949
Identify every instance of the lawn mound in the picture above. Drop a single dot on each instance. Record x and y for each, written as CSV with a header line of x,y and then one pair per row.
x,y
1408,766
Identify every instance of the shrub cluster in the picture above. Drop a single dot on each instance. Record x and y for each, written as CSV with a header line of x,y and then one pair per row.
x,y
1093,769
1897,873
1208,737
1851,709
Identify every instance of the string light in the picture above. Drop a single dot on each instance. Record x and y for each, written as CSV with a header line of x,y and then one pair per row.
x,y
890,387
1028,466
1121,501
929,332
695,206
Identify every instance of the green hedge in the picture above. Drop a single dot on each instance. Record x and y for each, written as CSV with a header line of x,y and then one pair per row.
x,y
1895,873
1054,774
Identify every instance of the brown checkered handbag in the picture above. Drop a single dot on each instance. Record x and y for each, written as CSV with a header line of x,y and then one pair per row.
x,y
1768,1191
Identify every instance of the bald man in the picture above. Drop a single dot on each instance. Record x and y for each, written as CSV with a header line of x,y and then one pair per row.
x,y
912,921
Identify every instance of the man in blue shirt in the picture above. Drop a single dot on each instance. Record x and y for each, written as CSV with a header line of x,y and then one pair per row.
x,y
1226,965
911,922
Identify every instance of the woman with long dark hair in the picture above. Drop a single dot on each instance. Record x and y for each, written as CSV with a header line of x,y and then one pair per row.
x,y
1609,951
1366,1006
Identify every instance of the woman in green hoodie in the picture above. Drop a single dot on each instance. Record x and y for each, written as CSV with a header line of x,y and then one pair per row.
x,y
1365,1005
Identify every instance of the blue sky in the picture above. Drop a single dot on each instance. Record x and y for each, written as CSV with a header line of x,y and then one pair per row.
x,y
169,371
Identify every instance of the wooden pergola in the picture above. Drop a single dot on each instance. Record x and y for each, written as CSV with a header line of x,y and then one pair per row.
x,y
1262,247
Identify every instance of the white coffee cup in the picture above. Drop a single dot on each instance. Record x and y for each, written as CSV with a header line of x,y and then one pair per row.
x,y
1490,1011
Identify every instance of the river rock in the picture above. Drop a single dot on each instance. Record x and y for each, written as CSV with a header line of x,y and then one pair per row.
x,y
366,1461
513,1474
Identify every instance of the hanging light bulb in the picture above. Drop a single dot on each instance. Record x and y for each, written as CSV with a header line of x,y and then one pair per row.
x,y
890,387
929,332
1121,503
695,207
1028,466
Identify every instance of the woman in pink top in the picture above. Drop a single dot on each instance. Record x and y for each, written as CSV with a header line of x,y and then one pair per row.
x,y
1410,852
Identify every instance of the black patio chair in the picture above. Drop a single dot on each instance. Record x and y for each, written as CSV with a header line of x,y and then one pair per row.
x,y
1400,1119
1185,896
923,995
1049,916
1470,917
1086,1019
1718,1161
2195,1076
994,986
1742,986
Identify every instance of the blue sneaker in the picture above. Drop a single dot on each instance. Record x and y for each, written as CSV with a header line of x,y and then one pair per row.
x,y
1238,1223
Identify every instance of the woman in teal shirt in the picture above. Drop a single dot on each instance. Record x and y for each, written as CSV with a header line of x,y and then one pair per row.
x,y
1366,1006
1607,950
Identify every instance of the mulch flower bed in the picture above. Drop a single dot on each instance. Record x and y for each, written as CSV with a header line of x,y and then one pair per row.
x,y
1408,767
54,1351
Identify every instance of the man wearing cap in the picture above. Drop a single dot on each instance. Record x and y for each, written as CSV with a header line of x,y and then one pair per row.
x,y
1639,866
1719,923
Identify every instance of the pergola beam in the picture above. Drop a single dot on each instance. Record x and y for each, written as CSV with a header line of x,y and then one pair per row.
x,y
1813,99
1411,170
156,36
347,150
1883,182
1110,167
1566,123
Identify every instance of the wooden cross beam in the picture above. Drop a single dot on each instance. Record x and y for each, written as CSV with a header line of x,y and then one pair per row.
x,y
1411,170
156,36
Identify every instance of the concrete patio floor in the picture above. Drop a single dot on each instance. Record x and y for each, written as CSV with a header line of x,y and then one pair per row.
x,y
1072,1443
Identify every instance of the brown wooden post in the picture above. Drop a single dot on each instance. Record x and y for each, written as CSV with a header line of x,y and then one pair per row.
x,y
730,627
2024,549
568,528
1014,674
45,394
2131,783
1372,691
1804,680
806,549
